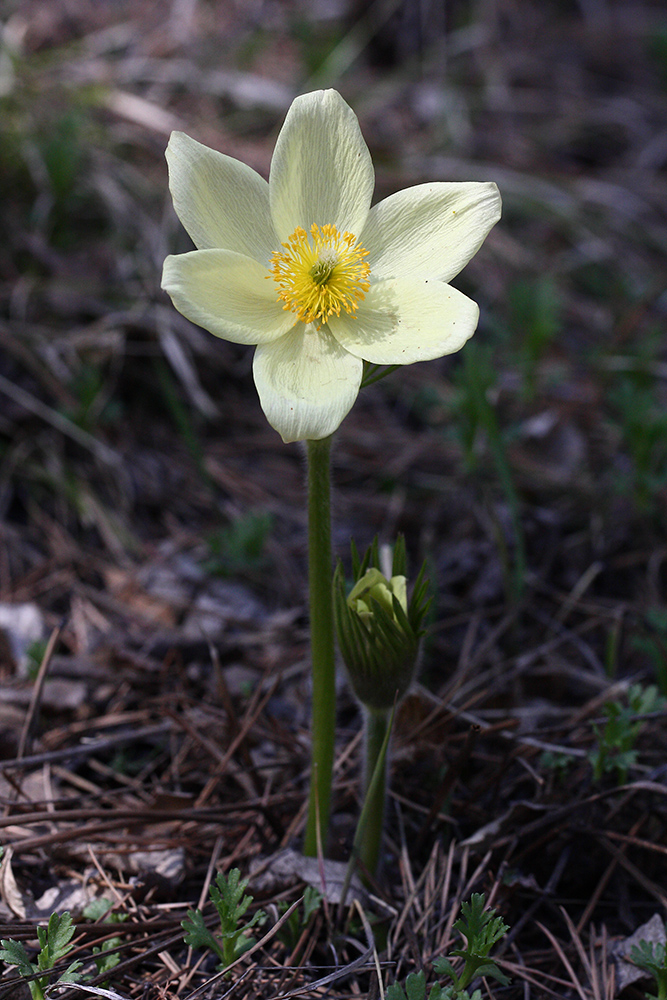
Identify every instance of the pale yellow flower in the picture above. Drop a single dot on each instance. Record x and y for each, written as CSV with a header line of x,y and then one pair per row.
x,y
305,269
374,586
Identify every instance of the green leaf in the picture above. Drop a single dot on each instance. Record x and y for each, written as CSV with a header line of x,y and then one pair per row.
x,y
395,992
444,968
70,974
491,969
97,909
105,962
399,562
228,899
438,992
311,902
55,941
197,934
481,929
14,953
242,944
652,958
415,986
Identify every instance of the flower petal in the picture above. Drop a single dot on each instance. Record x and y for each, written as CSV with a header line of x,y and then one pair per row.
x,y
227,294
221,202
306,383
402,321
430,230
321,170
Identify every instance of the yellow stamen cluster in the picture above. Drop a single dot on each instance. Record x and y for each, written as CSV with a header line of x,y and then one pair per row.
x,y
320,274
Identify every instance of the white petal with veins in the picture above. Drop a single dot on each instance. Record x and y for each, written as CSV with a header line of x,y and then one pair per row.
x,y
306,382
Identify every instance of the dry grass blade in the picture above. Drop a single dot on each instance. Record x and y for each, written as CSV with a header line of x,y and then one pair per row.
x,y
60,423
574,979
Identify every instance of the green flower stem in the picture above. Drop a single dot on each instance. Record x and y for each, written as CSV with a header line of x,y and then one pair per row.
x,y
375,783
320,571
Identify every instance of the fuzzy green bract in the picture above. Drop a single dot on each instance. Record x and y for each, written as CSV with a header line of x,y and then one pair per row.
x,y
378,629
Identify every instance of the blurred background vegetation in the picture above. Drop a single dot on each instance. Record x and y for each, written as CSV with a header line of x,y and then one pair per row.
x,y
155,522
533,464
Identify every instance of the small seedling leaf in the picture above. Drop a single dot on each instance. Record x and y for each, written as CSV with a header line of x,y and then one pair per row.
x,y
197,934
444,968
415,986
395,992
60,932
14,953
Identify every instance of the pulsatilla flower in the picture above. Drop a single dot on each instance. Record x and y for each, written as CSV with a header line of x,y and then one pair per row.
x,y
378,628
305,269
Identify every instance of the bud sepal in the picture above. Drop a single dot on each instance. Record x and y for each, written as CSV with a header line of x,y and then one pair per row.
x,y
379,629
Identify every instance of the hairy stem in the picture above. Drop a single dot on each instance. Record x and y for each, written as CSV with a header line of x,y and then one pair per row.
x,y
375,783
322,643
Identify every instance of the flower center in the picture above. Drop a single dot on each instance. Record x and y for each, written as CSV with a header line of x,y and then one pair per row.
x,y
321,273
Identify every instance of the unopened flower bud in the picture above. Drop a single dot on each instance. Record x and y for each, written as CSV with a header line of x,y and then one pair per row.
x,y
379,630
373,586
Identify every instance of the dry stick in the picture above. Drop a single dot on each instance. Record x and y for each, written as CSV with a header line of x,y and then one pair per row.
x,y
409,890
412,895
636,842
634,871
254,709
54,990
299,945
443,944
16,343
519,971
609,969
343,971
25,399
103,875
241,845
604,880
370,940
528,914
232,721
559,813
212,814
288,970
234,985
458,893
430,887
576,940
422,927
38,687
448,782
84,750
574,981
476,874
